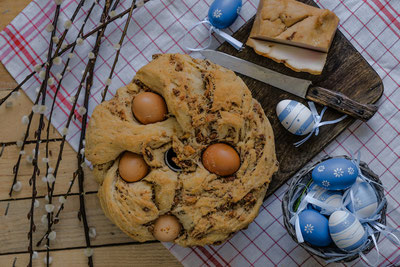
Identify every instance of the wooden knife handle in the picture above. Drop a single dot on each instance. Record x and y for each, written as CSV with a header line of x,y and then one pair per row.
x,y
341,103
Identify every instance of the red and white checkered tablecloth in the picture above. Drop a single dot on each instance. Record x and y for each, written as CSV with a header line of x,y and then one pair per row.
x,y
372,26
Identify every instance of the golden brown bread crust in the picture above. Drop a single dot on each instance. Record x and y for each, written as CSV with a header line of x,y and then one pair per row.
x,y
206,104
295,23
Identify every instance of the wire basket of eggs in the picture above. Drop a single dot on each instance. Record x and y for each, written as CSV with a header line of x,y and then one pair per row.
x,y
332,208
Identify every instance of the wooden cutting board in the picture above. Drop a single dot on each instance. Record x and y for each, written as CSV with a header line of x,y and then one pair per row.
x,y
345,71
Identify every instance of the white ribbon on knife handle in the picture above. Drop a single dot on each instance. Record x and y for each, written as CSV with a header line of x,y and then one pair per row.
x,y
235,43
317,122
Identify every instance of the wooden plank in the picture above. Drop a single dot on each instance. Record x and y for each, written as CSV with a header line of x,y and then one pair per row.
x,y
11,116
6,81
346,71
70,233
124,255
64,176
8,10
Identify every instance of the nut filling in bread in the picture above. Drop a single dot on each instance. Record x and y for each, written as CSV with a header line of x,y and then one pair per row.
x,y
192,205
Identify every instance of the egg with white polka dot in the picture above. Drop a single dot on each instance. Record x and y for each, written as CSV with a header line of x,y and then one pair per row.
x,y
335,174
223,13
314,228
295,117
346,231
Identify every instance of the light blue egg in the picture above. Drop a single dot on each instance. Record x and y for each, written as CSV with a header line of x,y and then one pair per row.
x,y
346,230
335,174
223,13
332,198
365,200
295,117
314,228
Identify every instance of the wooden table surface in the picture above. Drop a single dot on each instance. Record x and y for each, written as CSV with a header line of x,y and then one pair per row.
x,y
111,246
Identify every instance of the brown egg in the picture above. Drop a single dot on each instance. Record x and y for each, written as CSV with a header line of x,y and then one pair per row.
x,y
221,159
149,108
166,228
132,167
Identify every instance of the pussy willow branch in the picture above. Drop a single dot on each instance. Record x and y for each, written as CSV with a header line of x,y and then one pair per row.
x,y
56,217
59,86
72,111
62,38
51,221
85,36
50,189
116,3
16,167
36,170
80,156
64,137
121,40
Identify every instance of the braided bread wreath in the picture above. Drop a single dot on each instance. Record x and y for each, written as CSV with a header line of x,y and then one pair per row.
x,y
206,104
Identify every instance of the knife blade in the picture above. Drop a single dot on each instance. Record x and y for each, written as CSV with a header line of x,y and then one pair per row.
x,y
296,86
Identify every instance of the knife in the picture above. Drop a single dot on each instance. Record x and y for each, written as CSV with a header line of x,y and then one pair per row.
x,y
296,86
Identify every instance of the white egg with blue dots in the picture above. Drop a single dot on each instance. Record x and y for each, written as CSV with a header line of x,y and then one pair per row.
x,y
295,117
346,230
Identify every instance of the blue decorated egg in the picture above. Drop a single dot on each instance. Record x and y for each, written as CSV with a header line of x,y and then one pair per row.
x,y
335,174
314,228
365,201
331,198
223,13
295,117
346,230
